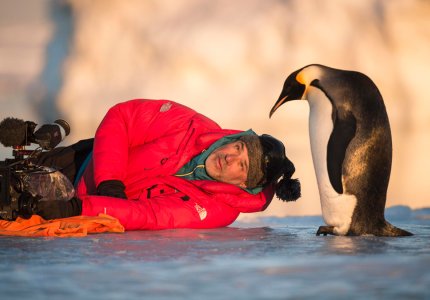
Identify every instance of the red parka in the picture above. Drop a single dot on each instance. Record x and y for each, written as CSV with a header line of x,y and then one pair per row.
x,y
144,143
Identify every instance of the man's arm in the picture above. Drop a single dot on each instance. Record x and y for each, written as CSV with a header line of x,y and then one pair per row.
x,y
164,212
133,124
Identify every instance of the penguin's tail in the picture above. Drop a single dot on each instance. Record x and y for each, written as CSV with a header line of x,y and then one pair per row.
x,y
390,230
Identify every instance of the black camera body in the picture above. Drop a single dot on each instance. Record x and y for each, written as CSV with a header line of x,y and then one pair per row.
x,y
14,198
8,197
20,179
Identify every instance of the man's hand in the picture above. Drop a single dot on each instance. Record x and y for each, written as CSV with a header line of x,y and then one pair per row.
x,y
112,188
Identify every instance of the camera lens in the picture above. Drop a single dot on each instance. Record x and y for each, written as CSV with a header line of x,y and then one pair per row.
x,y
27,204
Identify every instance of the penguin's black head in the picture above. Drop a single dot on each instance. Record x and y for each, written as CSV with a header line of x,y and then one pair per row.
x,y
292,90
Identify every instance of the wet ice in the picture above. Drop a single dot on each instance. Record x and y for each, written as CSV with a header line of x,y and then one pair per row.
x,y
270,258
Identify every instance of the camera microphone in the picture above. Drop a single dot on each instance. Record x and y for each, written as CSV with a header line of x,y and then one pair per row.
x,y
16,132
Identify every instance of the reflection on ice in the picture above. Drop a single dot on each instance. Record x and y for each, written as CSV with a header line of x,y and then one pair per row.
x,y
353,245
273,258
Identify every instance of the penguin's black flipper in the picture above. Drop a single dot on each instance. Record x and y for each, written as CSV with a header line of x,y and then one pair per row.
x,y
343,132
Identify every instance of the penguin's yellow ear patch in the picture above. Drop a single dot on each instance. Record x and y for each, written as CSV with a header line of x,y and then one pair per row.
x,y
300,78
309,73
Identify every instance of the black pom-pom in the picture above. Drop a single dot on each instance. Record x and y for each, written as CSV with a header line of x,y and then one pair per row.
x,y
288,189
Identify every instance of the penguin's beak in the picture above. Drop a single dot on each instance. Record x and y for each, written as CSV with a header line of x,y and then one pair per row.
x,y
278,103
290,92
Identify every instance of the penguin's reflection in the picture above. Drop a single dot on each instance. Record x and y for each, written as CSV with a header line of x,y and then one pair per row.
x,y
354,245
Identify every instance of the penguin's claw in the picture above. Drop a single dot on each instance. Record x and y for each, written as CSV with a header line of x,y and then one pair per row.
x,y
324,230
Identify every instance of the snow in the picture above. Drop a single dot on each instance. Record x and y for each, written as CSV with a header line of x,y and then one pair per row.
x,y
270,258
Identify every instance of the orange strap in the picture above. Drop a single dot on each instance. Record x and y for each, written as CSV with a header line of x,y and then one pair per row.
x,y
77,226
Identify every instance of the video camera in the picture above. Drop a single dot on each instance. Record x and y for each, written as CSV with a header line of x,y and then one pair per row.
x,y
22,183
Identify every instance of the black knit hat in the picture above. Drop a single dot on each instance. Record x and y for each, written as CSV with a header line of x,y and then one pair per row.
x,y
268,163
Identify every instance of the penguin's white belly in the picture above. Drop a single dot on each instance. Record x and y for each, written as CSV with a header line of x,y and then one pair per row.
x,y
337,209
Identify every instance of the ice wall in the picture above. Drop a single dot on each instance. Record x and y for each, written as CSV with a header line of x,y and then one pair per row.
x,y
228,60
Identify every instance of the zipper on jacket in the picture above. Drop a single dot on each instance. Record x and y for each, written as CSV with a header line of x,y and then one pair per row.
x,y
189,173
148,191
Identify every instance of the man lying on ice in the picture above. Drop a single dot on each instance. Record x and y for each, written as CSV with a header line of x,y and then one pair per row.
x,y
156,164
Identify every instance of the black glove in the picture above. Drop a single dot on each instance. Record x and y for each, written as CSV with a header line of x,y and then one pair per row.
x,y
112,188
56,209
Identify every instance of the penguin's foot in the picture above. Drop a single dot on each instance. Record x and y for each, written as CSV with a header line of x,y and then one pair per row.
x,y
324,230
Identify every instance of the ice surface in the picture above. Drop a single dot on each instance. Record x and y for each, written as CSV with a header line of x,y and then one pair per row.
x,y
271,258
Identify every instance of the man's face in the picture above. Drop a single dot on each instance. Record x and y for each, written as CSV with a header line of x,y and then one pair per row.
x,y
229,164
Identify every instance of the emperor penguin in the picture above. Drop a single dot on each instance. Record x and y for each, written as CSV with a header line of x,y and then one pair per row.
x,y
351,148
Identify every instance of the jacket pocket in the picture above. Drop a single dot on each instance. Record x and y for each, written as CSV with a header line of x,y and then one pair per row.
x,y
160,190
